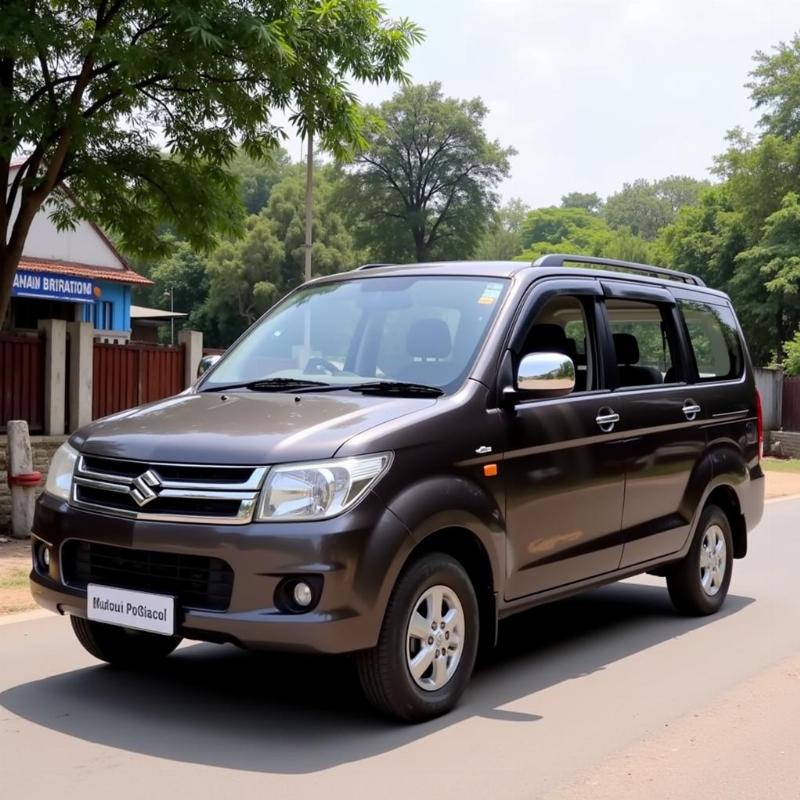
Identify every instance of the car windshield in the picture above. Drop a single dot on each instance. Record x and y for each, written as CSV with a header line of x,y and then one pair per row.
x,y
419,329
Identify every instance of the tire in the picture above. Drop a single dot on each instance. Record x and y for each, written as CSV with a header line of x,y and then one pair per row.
x,y
384,671
699,583
122,647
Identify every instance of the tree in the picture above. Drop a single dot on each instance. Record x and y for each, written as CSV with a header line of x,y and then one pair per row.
x,y
553,225
247,275
424,185
588,201
503,238
648,206
791,364
256,177
89,91
774,263
576,231
184,272
759,174
775,88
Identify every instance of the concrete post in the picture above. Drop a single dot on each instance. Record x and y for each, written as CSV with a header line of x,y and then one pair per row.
x,y
20,462
192,342
55,384
81,367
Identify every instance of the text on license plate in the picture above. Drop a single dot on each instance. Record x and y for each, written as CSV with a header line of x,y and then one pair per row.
x,y
140,610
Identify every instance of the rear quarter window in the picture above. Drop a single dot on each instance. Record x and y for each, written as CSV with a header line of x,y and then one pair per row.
x,y
714,339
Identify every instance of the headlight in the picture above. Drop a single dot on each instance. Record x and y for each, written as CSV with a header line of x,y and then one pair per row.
x,y
321,490
59,476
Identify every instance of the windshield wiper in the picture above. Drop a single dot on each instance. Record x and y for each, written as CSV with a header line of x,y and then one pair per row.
x,y
268,385
397,387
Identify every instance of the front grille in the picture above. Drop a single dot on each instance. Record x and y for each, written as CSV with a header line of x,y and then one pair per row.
x,y
156,491
196,581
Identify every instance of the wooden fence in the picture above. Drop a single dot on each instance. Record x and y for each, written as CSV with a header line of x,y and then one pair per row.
x,y
790,417
22,379
130,374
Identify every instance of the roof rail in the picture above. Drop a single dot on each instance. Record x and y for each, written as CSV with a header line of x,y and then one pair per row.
x,y
559,259
373,266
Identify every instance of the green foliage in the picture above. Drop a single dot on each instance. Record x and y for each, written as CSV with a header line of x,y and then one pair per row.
x,y
791,363
423,187
775,88
184,272
759,174
249,274
588,201
554,224
503,237
577,231
743,237
256,177
774,264
91,91
645,207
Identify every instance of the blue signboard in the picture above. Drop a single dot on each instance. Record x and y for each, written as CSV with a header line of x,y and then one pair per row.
x,y
50,286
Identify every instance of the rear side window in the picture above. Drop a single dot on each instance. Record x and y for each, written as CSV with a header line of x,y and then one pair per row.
x,y
715,340
643,342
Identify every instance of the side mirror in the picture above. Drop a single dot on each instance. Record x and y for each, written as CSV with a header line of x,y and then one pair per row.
x,y
545,375
206,362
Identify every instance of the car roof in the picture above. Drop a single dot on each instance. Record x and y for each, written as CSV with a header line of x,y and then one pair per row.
x,y
511,269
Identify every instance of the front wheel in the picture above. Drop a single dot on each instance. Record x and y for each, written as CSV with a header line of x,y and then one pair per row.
x,y
699,583
123,647
428,642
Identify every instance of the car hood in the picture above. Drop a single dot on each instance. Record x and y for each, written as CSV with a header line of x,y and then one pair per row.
x,y
244,428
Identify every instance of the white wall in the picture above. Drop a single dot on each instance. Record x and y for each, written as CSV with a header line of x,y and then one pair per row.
x,y
83,245
770,386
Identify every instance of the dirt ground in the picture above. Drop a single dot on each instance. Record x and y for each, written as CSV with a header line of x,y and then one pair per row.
x,y
15,561
710,749
15,556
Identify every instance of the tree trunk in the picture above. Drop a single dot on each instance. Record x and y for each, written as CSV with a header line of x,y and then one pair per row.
x,y
779,354
420,247
8,267
309,206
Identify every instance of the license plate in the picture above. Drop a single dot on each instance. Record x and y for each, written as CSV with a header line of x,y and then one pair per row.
x,y
145,612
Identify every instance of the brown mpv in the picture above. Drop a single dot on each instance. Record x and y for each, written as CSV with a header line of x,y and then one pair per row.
x,y
392,460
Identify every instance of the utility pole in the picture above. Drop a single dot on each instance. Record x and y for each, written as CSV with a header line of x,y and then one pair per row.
x,y
171,295
309,202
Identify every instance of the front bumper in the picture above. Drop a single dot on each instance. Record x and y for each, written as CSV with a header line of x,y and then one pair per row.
x,y
357,554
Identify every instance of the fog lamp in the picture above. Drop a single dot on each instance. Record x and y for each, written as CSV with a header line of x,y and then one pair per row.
x,y
46,556
302,594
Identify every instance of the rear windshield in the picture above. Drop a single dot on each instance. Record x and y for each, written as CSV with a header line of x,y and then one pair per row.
x,y
423,329
715,341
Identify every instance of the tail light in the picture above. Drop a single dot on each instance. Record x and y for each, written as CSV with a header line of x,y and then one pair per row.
x,y
760,424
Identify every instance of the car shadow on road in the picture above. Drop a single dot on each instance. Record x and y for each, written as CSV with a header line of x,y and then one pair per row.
x,y
291,714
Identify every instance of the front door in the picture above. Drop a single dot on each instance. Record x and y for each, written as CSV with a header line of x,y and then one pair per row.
x,y
563,462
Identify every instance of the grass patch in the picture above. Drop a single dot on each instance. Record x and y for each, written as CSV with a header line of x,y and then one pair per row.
x,y
16,578
15,593
781,465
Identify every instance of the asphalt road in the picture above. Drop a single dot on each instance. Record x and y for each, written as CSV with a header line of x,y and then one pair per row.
x,y
571,686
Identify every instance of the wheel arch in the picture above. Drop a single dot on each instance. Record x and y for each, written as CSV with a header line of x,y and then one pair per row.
x,y
466,547
725,497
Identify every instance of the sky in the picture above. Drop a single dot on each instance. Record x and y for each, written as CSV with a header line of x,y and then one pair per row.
x,y
594,93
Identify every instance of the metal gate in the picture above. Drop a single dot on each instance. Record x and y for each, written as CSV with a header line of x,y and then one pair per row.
x,y
128,375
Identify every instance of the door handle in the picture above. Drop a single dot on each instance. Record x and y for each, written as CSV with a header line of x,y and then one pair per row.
x,y
690,410
607,418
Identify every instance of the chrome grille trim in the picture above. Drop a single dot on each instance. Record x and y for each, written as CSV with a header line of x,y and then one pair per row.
x,y
206,489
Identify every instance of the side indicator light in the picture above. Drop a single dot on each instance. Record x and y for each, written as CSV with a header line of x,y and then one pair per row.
x,y
490,470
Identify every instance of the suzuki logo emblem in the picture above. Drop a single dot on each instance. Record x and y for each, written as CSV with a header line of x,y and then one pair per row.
x,y
142,488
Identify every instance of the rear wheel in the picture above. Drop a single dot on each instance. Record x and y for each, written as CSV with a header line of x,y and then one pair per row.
x,y
699,583
428,643
123,647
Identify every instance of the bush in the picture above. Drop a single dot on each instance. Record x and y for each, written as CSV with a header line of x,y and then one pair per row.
x,y
791,364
